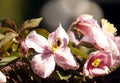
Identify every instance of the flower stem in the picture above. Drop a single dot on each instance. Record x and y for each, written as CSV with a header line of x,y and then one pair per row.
x,y
69,29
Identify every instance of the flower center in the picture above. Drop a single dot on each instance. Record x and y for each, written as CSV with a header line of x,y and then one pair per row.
x,y
56,44
96,62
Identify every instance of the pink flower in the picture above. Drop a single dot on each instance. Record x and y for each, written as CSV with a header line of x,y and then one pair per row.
x,y
2,78
49,51
100,38
92,31
97,64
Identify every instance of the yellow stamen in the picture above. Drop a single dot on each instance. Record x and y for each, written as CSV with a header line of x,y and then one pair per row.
x,y
54,47
96,62
56,44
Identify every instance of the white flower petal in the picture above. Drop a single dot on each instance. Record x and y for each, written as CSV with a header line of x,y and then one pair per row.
x,y
65,59
43,65
73,38
36,41
61,34
100,71
2,78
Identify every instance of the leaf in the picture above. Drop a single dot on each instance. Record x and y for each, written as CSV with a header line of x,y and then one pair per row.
x,y
9,59
6,46
15,47
31,23
1,36
6,29
86,49
63,77
78,52
43,32
8,37
7,23
85,44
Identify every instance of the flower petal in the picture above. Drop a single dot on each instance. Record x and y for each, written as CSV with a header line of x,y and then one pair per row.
x,y
2,78
73,38
65,59
85,23
117,41
108,28
38,42
100,71
43,65
114,49
96,36
61,34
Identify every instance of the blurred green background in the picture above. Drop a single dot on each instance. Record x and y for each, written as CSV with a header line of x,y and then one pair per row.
x,y
15,10
19,10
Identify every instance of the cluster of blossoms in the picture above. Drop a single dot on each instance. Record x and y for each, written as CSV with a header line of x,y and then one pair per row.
x,y
56,48
107,54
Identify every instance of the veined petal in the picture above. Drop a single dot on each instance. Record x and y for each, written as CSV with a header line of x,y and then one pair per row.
x,y
2,78
65,59
60,34
85,23
99,37
96,36
43,65
36,41
114,49
100,71
117,41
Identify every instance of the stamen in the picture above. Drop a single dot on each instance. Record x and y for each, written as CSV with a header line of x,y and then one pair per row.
x,y
96,62
56,44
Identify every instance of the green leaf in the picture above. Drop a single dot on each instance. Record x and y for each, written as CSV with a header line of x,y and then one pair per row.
x,y
66,77
42,32
85,44
31,23
78,52
86,49
8,37
15,47
6,46
7,60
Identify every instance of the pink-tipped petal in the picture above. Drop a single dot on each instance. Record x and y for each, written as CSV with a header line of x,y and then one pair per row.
x,y
36,41
43,65
59,33
85,23
65,59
